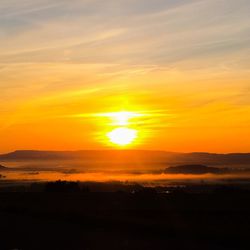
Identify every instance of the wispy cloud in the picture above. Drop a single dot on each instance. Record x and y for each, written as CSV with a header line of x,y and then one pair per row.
x,y
190,57
159,32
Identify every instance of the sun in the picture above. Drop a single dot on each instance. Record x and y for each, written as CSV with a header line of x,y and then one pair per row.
x,y
120,128
122,136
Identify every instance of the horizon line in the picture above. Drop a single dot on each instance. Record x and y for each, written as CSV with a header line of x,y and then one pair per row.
x,y
148,150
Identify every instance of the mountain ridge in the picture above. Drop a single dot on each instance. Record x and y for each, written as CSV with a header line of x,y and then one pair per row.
x,y
130,155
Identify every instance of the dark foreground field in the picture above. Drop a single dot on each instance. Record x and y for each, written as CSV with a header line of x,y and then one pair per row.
x,y
124,220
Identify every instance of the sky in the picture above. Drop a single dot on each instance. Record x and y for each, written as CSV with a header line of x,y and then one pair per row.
x,y
183,65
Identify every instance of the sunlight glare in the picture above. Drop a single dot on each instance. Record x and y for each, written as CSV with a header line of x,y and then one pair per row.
x,y
121,118
122,136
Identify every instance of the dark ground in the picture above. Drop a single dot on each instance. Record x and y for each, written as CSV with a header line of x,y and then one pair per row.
x,y
122,220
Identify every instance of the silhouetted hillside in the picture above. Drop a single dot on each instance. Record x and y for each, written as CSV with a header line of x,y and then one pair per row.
x,y
209,158
62,186
142,220
3,168
102,155
194,169
131,156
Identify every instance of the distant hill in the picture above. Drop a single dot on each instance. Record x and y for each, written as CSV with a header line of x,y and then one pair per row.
x,y
212,159
102,155
3,168
131,156
194,169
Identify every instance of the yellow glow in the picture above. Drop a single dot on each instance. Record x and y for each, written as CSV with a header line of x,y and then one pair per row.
x,y
122,136
121,118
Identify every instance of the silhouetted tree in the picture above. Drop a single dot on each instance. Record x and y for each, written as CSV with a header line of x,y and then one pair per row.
x,y
62,186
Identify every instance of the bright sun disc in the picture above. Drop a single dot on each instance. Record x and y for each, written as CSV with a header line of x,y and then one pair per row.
x,y
122,136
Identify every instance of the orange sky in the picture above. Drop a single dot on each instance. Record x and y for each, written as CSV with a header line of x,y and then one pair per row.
x,y
184,65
